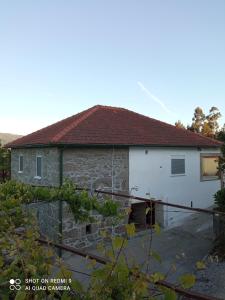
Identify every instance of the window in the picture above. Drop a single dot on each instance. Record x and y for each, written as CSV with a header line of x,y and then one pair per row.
x,y
21,164
178,165
209,167
38,166
88,229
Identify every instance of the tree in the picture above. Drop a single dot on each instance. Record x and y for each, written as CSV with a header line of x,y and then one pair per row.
x,y
206,130
212,120
179,124
197,120
205,125
4,164
221,137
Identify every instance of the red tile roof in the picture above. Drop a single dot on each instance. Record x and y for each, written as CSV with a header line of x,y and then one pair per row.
x,y
105,125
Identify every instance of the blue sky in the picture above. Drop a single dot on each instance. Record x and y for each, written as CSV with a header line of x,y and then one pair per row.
x,y
159,58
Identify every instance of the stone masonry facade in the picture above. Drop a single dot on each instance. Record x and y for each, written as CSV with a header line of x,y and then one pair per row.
x,y
98,168
50,166
94,168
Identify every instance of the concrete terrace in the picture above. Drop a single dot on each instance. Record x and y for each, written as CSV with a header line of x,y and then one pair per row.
x,y
181,246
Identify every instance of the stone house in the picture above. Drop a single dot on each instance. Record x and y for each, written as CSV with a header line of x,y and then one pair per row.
x,y
122,151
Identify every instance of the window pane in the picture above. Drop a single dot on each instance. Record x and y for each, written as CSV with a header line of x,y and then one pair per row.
x,y
177,166
21,163
39,166
210,166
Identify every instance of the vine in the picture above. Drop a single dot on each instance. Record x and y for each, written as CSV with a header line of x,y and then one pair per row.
x,y
21,256
80,203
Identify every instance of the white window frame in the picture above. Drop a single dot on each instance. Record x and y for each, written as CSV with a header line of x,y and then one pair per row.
x,y
208,178
177,157
37,176
21,171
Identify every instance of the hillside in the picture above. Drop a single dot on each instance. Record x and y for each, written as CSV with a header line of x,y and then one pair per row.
x,y
8,137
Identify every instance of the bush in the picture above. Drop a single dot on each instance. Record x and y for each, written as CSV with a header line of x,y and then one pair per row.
x,y
220,199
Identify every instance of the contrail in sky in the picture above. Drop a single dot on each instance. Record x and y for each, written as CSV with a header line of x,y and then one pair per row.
x,y
156,99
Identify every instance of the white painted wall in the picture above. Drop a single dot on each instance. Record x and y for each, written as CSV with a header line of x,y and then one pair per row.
x,y
151,174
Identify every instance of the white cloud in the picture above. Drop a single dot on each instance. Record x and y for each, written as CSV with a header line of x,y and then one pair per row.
x,y
156,99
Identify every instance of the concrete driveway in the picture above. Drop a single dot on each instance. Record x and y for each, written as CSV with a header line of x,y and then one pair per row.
x,y
181,246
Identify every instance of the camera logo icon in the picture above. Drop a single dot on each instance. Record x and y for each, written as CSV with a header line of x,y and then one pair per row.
x,y
15,284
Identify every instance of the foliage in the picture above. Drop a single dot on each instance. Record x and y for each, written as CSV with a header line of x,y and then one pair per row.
x,y
81,203
5,159
212,120
206,125
197,120
179,124
221,137
200,265
220,199
21,256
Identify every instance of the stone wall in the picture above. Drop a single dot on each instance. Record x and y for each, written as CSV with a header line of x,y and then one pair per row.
x,y
50,166
78,235
47,215
95,168
98,168
101,168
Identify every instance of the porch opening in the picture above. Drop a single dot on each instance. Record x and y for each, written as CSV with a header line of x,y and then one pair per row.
x,y
142,215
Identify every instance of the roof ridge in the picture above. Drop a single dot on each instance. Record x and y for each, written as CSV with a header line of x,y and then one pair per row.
x,y
74,124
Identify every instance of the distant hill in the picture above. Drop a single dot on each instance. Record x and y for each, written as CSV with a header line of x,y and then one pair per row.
x,y
8,137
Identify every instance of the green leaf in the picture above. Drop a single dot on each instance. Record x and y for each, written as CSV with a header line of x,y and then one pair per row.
x,y
76,285
21,295
156,256
118,242
187,281
93,262
65,296
31,268
1,261
103,233
157,276
170,294
157,228
200,265
130,228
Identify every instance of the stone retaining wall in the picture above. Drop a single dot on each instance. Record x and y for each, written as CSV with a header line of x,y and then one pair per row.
x,y
78,235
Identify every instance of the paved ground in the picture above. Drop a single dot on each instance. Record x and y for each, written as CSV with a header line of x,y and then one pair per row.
x,y
183,246
211,281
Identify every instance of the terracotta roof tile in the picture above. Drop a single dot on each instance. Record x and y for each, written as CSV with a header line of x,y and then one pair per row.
x,y
105,125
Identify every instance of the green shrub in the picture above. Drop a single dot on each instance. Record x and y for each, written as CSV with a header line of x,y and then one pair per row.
x,y
220,199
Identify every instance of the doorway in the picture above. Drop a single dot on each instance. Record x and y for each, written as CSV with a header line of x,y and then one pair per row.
x,y
142,215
